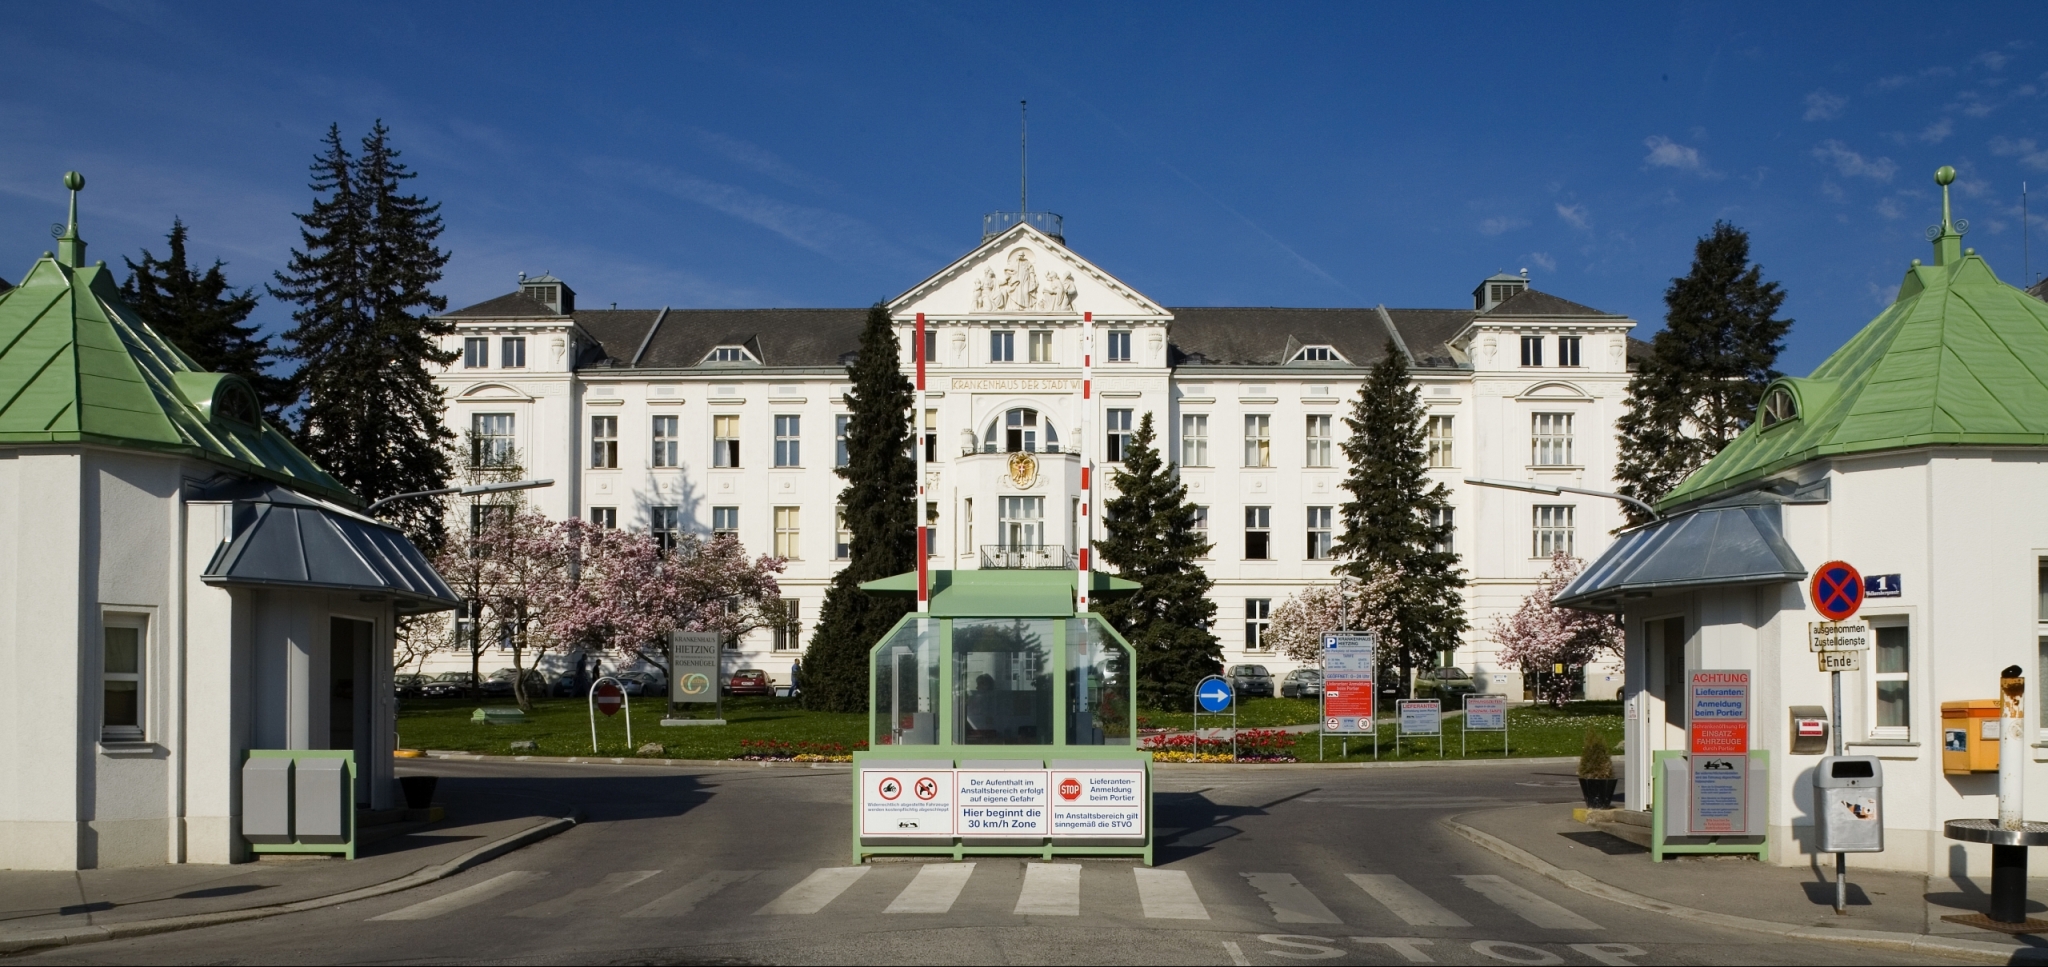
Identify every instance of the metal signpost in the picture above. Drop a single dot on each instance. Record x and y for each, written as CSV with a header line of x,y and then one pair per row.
x,y
1348,689
1423,716
1717,732
1214,695
693,676
1485,713
607,695
1837,592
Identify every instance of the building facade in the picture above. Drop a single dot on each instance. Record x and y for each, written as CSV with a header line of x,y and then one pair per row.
x,y
717,420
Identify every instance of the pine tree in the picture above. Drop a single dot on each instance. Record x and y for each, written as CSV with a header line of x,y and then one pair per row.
x,y
202,316
881,489
363,284
1706,370
1396,521
1149,536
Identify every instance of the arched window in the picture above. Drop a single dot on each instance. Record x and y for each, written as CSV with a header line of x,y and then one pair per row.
x,y
1020,428
1778,407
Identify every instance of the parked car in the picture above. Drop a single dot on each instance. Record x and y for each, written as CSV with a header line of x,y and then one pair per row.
x,y
568,686
1448,685
500,682
409,685
1302,683
446,685
1250,681
642,683
750,681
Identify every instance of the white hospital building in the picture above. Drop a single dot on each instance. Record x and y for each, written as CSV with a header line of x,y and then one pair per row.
x,y
732,420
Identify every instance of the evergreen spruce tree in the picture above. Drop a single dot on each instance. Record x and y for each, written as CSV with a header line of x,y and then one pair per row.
x,y
1396,519
1149,536
363,283
202,316
1706,370
881,489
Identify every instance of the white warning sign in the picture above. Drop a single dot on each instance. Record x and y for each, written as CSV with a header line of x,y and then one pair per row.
x,y
1098,803
896,802
1003,803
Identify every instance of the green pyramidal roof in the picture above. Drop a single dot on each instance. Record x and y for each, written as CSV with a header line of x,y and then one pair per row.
x,y
1960,358
77,366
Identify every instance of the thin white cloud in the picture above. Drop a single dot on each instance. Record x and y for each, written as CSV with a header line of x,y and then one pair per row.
x,y
1666,153
2029,153
1500,224
1543,261
1991,59
1832,190
1853,165
761,161
1897,81
1889,208
1883,295
1821,105
1573,215
1938,132
831,234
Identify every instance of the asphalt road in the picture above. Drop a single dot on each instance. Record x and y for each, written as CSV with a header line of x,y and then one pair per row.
x,y
1258,866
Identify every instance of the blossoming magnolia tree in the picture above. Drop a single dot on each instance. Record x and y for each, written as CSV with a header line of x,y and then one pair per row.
x,y
1541,635
1299,623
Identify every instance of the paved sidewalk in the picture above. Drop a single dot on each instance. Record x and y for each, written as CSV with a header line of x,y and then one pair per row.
x,y
1799,898
36,903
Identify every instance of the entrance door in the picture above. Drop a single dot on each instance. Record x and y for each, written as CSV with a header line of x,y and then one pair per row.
x,y
1668,668
349,695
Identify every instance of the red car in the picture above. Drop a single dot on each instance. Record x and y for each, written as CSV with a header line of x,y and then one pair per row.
x,y
750,681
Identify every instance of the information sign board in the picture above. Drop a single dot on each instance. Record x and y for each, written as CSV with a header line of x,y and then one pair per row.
x,y
1004,802
1841,661
899,802
1838,635
1881,586
692,666
1348,665
1486,713
1421,716
1720,795
1717,712
1348,656
1105,802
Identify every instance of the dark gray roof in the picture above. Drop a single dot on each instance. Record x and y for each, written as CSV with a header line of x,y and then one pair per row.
x,y
618,333
284,540
509,306
1717,546
1530,302
779,337
1270,335
2038,290
1428,334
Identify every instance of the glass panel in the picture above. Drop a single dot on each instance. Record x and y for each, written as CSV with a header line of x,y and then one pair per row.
x,y
124,649
122,704
907,685
2041,671
1892,651
1002,681
1892,704
2042,576
1098,685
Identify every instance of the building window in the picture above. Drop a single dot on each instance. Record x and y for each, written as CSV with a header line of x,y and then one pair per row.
x,y
668,441
121,678
1020,523
2041,632
931,436
728,354
1317,354
786,533
605,517
1319,440
1041,347
1441,453
1553,530
1532,350
1119,346
1258,533
788,439
1002,347
1119,440
490,439
1567,350
1020,428
476,352
1258,616
1550,440
725,440
931,528
842,536
1258,441
1201,528
1194,440
1319,533
931,346
1892,677
666,526
784,613
1445,519
604,442
512,352
725,522
839,423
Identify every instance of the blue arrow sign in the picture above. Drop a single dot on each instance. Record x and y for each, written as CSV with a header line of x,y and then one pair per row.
x,y
1213,694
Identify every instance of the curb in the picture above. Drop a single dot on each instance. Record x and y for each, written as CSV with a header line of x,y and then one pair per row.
x,y
1410,764
587,760
1913,943
141,928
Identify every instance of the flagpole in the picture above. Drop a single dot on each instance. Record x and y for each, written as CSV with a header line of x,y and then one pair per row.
x,y
917,443
1083,536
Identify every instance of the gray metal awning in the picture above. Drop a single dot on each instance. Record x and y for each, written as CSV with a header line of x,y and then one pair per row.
x,y
286,540
1714,546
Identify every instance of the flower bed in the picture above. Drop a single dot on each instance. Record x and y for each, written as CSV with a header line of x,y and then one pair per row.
x,y
1253,745
776,750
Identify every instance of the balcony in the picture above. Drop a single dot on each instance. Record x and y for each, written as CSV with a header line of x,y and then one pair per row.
x,y
1025,557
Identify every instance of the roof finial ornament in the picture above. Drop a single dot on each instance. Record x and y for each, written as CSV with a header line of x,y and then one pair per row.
x,y
71,248
1947,236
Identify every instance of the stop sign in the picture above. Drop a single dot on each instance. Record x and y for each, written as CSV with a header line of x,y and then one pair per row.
x,y
609,698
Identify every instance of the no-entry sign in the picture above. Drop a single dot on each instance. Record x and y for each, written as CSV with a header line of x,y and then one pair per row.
x,y
609,698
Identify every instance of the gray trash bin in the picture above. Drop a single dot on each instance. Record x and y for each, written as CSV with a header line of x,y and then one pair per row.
x,y
267,800
1848,804
323,801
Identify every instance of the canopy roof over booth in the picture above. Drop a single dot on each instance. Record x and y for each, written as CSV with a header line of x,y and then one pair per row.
x,y
1737,542
1002,593
285,540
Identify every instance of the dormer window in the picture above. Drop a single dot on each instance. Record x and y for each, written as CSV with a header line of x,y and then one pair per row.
x,y
236,402
730,354
1317,354
1779,406
548,291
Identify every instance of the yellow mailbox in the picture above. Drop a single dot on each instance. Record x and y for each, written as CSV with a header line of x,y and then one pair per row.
x,y
1969,736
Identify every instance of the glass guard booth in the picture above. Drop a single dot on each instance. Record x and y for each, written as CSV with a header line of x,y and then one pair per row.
x,y
1002,734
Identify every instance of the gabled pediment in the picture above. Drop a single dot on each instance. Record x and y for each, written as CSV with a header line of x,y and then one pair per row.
x,y
1024,274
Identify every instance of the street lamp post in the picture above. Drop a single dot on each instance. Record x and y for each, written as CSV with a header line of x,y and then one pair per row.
x,y
469,491
1533,487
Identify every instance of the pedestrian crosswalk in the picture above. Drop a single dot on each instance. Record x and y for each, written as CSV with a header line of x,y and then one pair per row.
x,y
1043,890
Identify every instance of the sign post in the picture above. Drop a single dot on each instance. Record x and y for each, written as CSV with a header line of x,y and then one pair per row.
x,y
608,696
693,676
1214,695
1837,592
1485,713
1348,689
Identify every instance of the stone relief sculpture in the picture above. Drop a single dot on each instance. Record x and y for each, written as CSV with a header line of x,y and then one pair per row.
x,y
1021,279
980,296
1007,293
1059,292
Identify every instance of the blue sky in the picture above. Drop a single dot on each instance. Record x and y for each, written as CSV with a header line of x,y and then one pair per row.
x,y
1303,154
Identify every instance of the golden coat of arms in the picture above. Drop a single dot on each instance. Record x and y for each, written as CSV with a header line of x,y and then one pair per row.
x,y
1023,470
